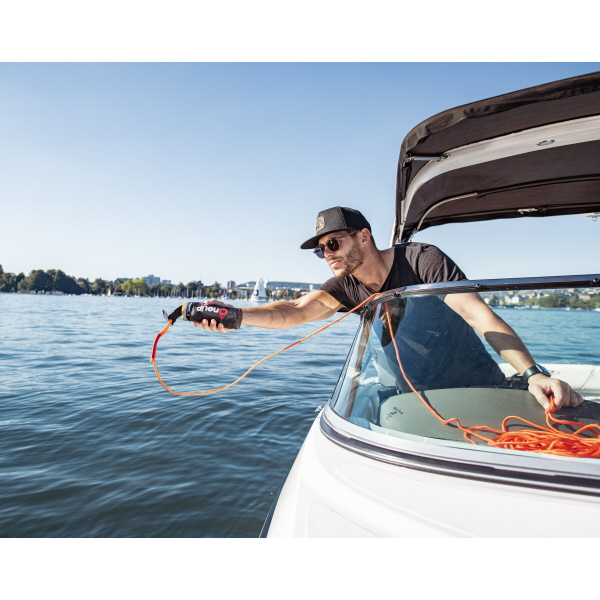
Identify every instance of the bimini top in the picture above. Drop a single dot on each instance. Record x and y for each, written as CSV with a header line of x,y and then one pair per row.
x,y
535,152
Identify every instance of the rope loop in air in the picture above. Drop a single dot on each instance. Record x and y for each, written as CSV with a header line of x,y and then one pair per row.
x,y
161,333
547,440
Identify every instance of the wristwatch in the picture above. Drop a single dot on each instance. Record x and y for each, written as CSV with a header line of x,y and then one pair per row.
x,y
535,369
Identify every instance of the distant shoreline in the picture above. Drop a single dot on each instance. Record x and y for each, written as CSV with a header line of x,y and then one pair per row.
x,y
203,298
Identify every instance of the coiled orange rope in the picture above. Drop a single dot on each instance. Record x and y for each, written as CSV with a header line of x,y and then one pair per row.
x,y
161,333
547,440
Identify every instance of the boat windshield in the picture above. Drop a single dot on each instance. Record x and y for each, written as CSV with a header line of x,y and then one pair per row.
x,y
416,363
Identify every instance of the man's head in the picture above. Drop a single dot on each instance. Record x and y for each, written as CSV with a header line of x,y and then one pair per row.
x,y
342,236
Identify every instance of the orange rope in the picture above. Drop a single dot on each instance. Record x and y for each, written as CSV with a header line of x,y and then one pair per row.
x,y
547,439
154,347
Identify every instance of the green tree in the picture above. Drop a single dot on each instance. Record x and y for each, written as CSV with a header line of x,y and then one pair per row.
x,y
127,287
191,288
98,286
8,282
553,300
133,287
165,290
38,280
84,285
583,304
62,282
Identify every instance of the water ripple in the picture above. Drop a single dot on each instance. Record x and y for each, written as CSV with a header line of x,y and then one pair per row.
x,y
92,446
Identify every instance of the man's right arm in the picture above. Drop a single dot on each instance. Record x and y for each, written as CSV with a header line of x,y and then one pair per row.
x,y
314,306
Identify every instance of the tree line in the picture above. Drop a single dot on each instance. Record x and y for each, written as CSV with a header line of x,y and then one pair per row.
x,y
55,280
554,300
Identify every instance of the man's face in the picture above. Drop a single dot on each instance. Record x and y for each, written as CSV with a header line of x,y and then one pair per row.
x,y
348,257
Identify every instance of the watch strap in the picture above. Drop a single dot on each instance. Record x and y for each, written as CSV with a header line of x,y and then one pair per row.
x,y
535,369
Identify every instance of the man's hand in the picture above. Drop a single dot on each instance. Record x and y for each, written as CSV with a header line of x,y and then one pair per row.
x,y
213,324
540,386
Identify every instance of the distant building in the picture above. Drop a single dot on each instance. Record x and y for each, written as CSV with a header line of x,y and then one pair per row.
x,y
490,299
165,282
230,284
151,280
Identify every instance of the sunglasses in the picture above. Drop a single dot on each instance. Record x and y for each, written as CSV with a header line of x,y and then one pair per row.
x,y
332,244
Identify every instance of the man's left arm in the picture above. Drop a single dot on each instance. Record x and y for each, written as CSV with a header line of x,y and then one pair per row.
x,y
503,339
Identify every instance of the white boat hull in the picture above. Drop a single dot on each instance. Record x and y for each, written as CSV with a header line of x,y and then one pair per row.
x,y
332,491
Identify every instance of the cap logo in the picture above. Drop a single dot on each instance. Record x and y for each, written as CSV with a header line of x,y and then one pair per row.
x,y
320,224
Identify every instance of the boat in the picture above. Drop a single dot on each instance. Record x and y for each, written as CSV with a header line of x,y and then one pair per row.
x,y
259,293
377,462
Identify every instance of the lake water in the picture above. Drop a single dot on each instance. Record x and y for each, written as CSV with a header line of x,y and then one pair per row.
x,y
92,446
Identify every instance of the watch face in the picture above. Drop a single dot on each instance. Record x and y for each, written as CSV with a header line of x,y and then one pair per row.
x,y
543,370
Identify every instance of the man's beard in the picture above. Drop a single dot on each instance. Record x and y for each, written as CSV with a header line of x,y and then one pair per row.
x,y
351,262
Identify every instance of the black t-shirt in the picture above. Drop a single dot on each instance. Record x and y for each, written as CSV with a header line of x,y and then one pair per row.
x,y
439,349
414,263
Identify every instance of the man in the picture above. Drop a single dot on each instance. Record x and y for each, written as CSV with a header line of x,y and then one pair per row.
x,y
343,238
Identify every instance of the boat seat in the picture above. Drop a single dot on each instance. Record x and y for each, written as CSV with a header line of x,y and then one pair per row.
x,y
406,413
584,379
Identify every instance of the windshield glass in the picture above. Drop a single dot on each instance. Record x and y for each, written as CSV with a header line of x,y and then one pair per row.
x,y
416,364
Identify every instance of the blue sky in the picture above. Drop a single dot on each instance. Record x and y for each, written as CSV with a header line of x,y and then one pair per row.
x,y
218,170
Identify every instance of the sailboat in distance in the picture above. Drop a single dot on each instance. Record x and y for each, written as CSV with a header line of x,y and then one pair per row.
x,y
259,293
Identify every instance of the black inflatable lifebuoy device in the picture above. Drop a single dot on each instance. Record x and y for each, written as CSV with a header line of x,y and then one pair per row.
x,y
230,316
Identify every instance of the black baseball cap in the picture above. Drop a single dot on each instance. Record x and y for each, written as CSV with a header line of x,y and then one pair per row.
x,y
336,219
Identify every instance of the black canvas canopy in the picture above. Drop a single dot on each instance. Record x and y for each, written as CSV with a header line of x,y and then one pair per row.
x,y
559,180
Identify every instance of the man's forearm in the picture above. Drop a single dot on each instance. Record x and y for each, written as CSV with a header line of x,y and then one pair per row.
x,y
498,334
503,339
278,315
510,347
314,306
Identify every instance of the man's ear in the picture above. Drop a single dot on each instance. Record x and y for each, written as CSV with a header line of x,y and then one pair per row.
x,y
365,236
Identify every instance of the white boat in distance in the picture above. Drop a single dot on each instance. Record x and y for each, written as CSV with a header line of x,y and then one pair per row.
x,y
377,462
259,293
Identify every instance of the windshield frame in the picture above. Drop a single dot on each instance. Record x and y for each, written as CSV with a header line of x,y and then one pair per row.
x,y
528,469
492,285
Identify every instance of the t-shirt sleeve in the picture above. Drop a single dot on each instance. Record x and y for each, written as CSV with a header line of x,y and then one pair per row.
x,y
433,266
334,288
